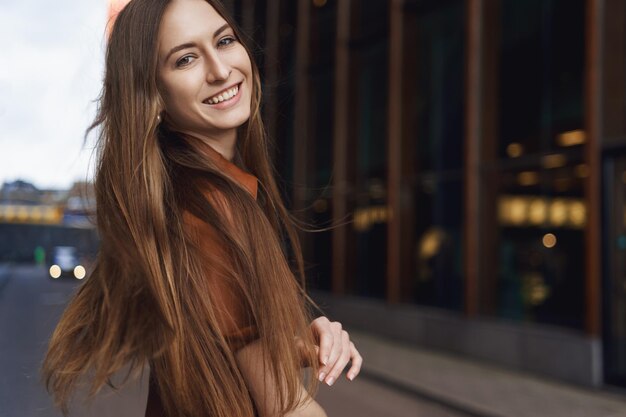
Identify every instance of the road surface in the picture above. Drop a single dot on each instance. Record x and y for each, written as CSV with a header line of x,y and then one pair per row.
x,y
30,306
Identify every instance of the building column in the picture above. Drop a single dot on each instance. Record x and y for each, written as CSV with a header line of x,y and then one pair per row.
x,y
483,35
594,126
400,164
343,159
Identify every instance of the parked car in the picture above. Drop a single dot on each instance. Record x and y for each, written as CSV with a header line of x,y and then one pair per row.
x,y
64,261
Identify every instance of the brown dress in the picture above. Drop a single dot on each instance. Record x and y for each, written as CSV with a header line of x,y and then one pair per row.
x,y
237,328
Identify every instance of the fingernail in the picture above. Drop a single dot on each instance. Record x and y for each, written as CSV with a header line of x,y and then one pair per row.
x,y
322,376
350,377
325,360
330,381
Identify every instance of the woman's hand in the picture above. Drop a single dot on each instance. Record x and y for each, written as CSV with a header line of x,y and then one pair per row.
x,y
335,350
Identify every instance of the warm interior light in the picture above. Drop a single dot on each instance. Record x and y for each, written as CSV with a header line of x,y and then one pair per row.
x,y
556,160
55,271
538,211
517,211
577,213
515,150
549,240
558,212
430,243
528,178
571,138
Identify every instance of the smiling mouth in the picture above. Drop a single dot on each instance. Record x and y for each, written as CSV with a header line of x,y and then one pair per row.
x,y
223,96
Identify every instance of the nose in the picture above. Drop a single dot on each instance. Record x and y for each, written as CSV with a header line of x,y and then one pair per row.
x,y
217,69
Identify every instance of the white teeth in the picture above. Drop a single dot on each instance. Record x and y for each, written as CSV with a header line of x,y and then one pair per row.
x,y
227,95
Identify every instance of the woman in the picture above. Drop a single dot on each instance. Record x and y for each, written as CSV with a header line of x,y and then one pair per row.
x,y
191,276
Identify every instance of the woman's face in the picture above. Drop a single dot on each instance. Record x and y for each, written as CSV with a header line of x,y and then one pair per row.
x,y
204,73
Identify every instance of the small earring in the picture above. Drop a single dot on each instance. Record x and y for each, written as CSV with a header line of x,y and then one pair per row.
x,y
158,119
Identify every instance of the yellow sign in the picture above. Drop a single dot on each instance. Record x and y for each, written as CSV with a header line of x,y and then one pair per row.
x,y
38,214
542,211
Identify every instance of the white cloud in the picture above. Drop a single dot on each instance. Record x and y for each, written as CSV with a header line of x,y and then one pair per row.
x,y
50,73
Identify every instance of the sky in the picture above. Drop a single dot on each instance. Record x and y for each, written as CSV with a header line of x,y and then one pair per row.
x,y
51,67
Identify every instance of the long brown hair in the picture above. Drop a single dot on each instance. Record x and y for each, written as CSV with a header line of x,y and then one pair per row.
x,y
146,299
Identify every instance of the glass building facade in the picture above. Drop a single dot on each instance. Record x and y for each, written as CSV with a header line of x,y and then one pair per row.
x,y
464,157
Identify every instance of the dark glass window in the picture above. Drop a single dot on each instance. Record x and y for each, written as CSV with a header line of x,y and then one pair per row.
x,y
369,52
437,96
539,170
320,146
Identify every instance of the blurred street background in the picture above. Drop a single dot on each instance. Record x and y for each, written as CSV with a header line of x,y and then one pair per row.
x,y
470,154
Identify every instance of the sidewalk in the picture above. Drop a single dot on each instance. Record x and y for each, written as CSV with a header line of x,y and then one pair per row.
x,y
479,389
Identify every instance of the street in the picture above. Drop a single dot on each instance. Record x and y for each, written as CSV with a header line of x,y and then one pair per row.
x,y
31,304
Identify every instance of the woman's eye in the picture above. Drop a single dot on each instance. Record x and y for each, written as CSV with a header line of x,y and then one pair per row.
x,y
226,41
186,60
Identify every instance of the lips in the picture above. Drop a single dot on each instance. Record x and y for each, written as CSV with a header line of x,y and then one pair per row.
x,y
224,95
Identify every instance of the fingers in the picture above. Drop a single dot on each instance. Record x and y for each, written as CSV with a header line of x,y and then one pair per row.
x,y
357,361
335,351
335,342
342,359
322,329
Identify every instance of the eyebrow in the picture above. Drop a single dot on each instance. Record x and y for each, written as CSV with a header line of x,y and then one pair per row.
x,y
192,44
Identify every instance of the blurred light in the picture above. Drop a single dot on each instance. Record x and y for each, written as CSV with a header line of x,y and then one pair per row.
x,y
14,213
537,211
52,214
517,211
549,240
55,271
430,243
571,138
378,214
366,217
534,288
9,213
582,170
36,214
319,3
577,213
22,214
539,294
79,272
528,178
556,160
514,150
558,212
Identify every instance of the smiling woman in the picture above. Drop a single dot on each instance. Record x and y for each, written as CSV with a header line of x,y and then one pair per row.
x,y
192,277
200,65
